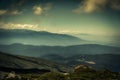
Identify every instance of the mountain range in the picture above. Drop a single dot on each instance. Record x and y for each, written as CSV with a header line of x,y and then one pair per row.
x,y
112,40
37,38
24,36
52,51
37,51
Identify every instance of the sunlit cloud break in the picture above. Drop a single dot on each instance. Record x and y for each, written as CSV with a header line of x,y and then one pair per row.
x,y
18,26
37,10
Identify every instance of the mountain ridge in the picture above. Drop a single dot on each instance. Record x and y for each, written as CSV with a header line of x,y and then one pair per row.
x,y
38,51
37,37
24,62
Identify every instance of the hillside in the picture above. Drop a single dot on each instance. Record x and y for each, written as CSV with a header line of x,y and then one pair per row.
x,y
98,61
23,62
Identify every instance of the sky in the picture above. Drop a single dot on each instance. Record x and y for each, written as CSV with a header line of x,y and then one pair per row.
x,y
99,17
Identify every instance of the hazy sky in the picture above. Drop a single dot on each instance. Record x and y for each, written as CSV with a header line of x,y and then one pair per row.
x,y
63,16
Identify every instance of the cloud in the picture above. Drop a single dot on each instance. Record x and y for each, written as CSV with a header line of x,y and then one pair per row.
x,y
38,10
21,2
2,12
68,32
14,12
18,26
12,8
10,12
89,6
115,5
47,6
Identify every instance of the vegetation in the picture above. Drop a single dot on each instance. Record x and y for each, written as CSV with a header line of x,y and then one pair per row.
x,y
76,75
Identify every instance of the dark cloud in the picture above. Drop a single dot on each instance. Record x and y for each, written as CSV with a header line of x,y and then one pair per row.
x,y
115,4
10,7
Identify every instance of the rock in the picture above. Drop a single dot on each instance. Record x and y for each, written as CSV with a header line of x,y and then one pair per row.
x,y
11,75
81,68
66,74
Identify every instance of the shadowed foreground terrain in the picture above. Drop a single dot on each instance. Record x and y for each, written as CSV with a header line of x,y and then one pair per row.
x,y
81,72
24,62
14,67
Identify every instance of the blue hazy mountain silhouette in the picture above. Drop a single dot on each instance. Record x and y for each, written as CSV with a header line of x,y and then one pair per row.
x,y
37,37
37,51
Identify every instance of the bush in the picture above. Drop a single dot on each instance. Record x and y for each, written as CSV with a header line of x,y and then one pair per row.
x,y
53,76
